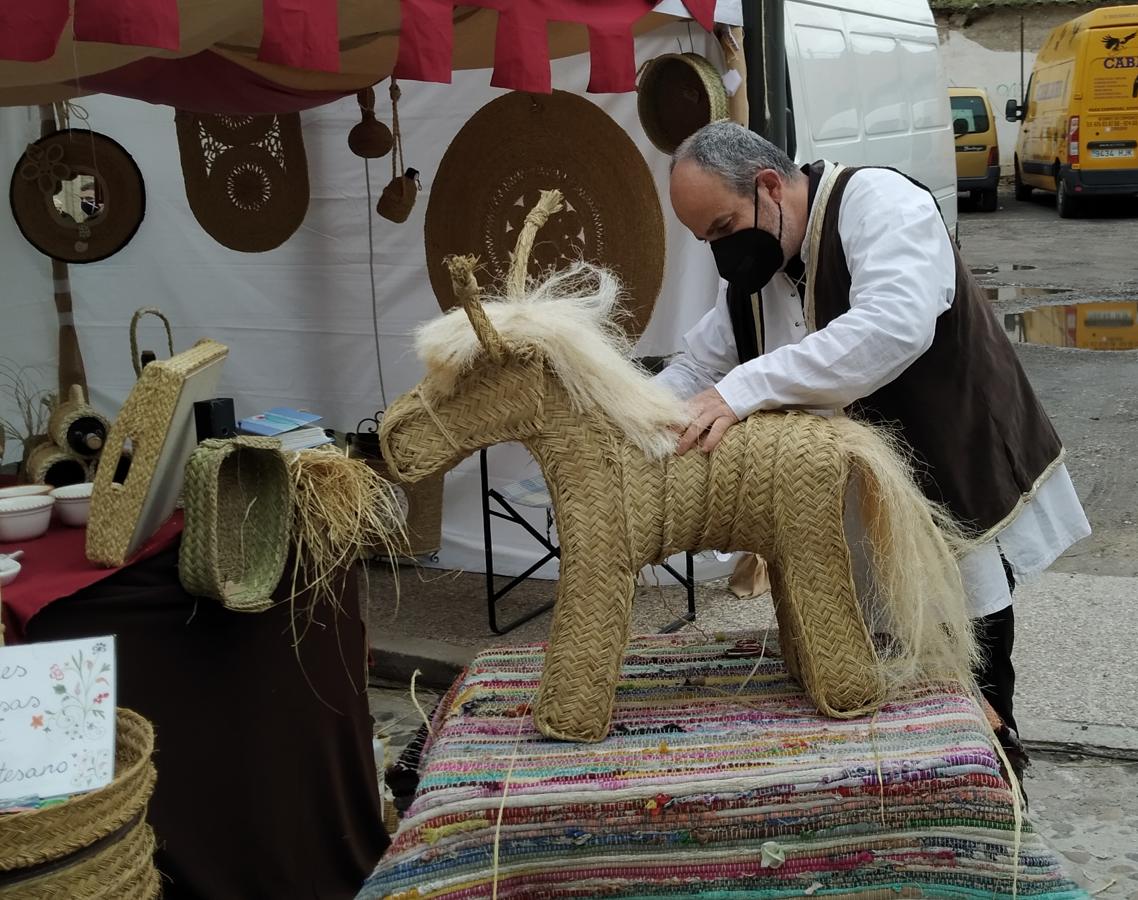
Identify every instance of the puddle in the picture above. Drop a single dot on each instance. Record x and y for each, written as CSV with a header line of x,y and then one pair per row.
x,y
1017,294
1001,268
1086,326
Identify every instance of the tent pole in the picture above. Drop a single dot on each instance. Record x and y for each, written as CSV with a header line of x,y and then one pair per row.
x,y
71,369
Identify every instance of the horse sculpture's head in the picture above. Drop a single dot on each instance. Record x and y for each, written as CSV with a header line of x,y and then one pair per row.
x,y
479,390
493,373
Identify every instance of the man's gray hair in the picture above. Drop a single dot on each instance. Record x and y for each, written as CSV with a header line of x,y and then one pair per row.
x,y
734,153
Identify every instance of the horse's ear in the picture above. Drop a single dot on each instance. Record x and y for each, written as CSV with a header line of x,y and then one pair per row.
x,y
466,289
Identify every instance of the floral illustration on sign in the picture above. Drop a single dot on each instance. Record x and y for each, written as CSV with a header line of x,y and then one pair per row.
x,y
91,768
81,688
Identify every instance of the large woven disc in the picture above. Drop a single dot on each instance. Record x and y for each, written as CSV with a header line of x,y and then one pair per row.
x,y
521,144
77,196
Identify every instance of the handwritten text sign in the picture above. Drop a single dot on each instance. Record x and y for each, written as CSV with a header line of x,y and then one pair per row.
x,y
57,717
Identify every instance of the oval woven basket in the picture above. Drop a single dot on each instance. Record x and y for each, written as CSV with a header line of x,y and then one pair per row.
x,y
677,94
96,846
238,500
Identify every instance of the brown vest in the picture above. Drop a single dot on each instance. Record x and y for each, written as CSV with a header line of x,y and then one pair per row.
x,y
979,434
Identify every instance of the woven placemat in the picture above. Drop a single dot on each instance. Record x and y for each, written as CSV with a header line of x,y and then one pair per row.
x,y
521,144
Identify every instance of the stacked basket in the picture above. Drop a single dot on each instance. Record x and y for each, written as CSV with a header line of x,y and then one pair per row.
x,y
95,846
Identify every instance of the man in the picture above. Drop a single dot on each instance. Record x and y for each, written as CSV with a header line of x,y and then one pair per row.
x,y
844,290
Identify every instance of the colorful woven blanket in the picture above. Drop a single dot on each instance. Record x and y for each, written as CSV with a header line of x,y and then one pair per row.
x,y
719,780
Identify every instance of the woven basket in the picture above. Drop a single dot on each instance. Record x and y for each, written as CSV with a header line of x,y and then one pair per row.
x,y
146,422
238,503
49,463
71,411
677,94
96,846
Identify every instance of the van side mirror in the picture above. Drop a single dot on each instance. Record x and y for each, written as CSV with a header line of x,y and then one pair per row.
x,y
1013,112
959,127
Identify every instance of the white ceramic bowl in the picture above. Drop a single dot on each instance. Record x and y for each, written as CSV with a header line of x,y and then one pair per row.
x,y
25,490
24,518
73,503
9,569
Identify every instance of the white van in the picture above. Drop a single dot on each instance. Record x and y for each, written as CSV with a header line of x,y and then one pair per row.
x,y
867,87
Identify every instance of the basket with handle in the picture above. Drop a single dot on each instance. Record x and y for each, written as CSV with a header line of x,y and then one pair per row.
x,y
139,360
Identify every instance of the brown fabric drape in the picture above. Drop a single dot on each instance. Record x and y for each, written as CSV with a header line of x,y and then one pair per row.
x,y
266,779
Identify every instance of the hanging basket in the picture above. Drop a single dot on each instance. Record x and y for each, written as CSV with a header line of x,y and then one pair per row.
x,y
95,846
677,94
238,502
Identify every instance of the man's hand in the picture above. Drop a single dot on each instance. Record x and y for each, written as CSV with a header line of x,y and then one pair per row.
x,y
711,417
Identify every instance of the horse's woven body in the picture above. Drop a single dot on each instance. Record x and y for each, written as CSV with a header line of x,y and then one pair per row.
x,y
776,485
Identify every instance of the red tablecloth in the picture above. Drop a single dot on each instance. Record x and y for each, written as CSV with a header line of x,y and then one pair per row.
x,y
55,566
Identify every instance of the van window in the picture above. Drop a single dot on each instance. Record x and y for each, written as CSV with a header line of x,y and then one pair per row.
x,y
972,111
922,67
831,97
882,84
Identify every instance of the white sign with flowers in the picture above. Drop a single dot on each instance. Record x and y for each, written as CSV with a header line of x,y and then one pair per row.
x,y
57,718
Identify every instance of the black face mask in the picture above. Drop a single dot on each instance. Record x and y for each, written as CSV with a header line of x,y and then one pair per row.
x,y
750,257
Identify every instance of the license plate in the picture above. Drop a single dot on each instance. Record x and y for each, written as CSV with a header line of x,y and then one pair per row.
x,y
1112,153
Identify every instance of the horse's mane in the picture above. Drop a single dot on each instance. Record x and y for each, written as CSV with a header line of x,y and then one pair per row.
x,y
571,319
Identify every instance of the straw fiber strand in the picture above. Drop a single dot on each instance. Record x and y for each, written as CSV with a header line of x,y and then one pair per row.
x,y
547,375
123,868
238,502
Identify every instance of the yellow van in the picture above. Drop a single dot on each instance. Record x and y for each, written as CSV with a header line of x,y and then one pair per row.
x,y
1080,124
977,148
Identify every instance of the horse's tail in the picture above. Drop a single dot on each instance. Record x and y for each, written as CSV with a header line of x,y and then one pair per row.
x,y
917,595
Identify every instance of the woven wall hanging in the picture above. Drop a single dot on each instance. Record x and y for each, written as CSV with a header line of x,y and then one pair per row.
x,y
77,196
515,147
246,177
677,94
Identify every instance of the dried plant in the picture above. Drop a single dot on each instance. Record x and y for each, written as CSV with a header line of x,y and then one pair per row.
x,y
32,405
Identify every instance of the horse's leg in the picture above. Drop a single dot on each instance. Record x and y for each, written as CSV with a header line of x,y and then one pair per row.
x,y
826,643
586,643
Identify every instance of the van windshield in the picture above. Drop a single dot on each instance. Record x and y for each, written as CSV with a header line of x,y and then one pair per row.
x,y
972,111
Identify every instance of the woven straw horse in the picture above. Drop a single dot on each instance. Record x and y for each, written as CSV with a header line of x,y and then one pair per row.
x,y
546,365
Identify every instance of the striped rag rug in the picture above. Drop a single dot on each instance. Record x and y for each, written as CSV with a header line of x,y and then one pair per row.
x,y
718,780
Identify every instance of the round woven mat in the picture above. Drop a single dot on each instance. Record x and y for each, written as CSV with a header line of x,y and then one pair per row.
x,y
679,93
62,156
521,144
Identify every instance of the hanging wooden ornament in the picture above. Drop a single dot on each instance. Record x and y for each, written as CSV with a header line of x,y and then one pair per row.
x,y
369,137
398,198
246,177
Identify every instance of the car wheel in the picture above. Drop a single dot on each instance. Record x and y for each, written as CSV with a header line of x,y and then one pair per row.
x,y
1023,191
989,201
1065,204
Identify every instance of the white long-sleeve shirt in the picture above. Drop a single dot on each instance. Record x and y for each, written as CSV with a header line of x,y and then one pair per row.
x,y
903,276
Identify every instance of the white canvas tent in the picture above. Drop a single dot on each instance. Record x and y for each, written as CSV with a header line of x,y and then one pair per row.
x,y
298,319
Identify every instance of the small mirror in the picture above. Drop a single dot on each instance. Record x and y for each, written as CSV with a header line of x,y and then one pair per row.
x,y
959,127
1013,111
79,198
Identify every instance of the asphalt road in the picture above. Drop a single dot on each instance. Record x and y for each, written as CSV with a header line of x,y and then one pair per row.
x,y
1091,395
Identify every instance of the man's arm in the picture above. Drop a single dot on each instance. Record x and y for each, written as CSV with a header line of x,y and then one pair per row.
x,y
708,353
903,277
